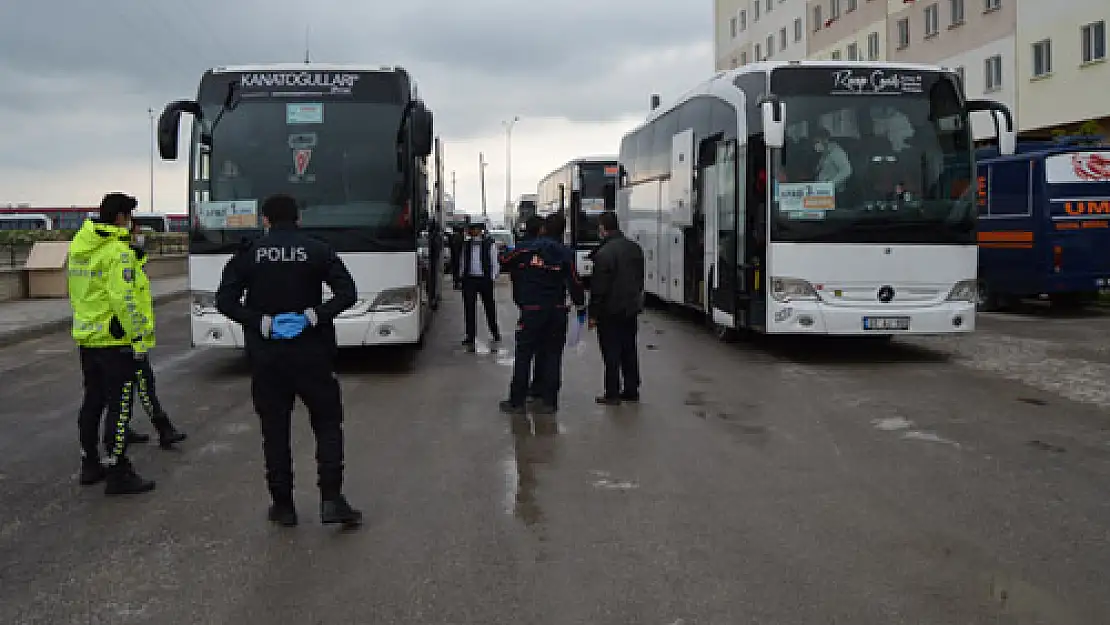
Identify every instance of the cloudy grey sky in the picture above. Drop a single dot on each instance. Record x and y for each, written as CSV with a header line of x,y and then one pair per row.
x,y
79,77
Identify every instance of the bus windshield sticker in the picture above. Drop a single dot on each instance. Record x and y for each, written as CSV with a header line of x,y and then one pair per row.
x,y
874,81
806,200
228,215
302,141
301,159
304,113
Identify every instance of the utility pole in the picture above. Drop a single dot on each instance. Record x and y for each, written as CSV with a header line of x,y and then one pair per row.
x,y
453,187
482,177
509,162
150,112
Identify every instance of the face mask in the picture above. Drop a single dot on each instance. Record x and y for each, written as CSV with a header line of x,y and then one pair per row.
x,y
819,147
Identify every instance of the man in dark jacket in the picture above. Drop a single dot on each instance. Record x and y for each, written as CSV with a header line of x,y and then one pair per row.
x,y
542,276
616,301
290,340
478,272
553,229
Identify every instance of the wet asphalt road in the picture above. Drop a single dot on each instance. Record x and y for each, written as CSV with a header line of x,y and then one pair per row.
x,y
932,481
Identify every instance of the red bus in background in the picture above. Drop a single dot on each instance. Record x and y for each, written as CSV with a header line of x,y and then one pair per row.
x,y
71,218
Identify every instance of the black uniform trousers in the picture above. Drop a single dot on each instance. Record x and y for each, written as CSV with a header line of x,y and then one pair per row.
x,y
473,288
281,372
109,378
540,337
616,335
146,391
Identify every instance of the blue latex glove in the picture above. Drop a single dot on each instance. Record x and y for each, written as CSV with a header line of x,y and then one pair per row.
x,y
288,325
582,316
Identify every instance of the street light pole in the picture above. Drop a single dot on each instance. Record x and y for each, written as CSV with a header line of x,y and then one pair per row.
x,y
482,178
150,112
509,163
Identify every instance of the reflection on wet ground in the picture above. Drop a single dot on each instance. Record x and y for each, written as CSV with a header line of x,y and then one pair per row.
x,y
534,444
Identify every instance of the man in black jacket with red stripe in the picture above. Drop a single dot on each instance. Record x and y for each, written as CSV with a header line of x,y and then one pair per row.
x,y
542,275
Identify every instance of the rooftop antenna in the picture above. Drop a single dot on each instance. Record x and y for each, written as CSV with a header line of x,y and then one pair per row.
x,y
307,57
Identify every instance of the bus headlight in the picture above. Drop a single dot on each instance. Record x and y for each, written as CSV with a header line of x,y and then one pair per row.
x,y
964,291
204,302
401,299
792,289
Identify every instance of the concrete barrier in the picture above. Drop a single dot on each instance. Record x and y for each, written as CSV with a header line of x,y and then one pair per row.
x,y
13,282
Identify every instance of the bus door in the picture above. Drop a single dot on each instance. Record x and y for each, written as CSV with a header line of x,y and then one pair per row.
x,y
724,245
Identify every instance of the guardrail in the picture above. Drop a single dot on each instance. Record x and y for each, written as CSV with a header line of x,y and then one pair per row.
x,y
13,254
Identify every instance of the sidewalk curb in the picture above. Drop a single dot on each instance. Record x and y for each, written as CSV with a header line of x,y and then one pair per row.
x,y
39,330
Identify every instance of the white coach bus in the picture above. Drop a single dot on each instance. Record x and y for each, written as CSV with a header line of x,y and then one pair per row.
x,y
812,198
350,144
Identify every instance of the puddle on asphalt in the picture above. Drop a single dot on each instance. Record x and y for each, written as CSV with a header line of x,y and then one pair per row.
x,y
892,424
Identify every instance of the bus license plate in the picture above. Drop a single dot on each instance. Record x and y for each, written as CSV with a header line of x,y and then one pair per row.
x,y
886,323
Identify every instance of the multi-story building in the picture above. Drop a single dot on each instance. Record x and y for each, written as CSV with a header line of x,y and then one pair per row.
x,y
1046,60
755,30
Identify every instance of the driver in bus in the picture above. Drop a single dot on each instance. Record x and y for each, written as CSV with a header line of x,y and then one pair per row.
x,y
833,164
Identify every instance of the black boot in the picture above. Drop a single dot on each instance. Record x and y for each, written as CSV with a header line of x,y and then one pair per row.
x,y
92,472
135,438
123,480
337,510
167,434
283,513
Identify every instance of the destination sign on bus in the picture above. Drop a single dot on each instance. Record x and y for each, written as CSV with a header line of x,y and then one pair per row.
x,y
323,82
875,81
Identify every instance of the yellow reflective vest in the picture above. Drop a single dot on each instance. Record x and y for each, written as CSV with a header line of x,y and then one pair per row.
x,y
102,271
144,298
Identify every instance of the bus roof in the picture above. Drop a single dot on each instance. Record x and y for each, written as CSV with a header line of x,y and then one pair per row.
x,y
302,67
721,83
603,158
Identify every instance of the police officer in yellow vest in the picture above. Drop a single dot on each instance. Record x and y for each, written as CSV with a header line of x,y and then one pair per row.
x,y
109,327
144,374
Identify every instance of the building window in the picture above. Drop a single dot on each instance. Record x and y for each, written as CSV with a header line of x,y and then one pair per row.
x,y
836,55
782,39
770,45
957,11
758,56
743,58
992,5
798,29
853,52
817,18
834,9
755,17
732,27
1094,42
770,5
993,71
873,47
903,33
932,20
1042,58
852,5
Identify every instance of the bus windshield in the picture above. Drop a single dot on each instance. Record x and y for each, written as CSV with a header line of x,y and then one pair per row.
x,y
599,193
338,158
872,156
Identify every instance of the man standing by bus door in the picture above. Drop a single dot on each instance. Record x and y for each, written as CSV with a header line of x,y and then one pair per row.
x,y
290,340
616,301
543,275
478,271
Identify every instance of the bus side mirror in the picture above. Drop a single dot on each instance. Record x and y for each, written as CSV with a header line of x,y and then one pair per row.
x,y
169,124
774,123
999,112
422,131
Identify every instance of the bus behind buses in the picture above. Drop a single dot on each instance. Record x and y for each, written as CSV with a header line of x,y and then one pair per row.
x,y
581,190
25,221
350,144
812,198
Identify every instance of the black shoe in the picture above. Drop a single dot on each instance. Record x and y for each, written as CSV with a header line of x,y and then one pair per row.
x,y
168,435
284,514
509,407
337,510
92,472
608,401
630,397
122,480
134,438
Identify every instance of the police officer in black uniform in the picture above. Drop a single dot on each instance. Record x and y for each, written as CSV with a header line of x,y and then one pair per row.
x,y
542,274
290,340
